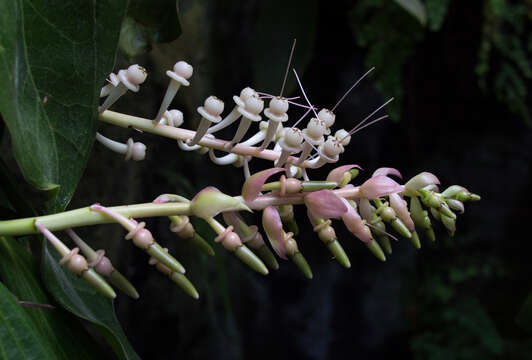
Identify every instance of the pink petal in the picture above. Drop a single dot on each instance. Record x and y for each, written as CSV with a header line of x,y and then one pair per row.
x,y
378,186
387,171
354,223
252,186
337,174
420,181
324,204
400,208
271,221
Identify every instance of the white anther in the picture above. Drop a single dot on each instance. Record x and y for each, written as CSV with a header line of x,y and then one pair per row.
x,y
343,137
290,144
172,118
277,109
182,72
252,108
314,131
291,140
245,94
211,109
135,150
133,77
331,149
328,117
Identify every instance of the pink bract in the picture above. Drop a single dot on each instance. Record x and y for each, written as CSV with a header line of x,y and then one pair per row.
x,y
378,186
337,174
399,206
420,181
325,204
354,223
253,185
273,226
387,171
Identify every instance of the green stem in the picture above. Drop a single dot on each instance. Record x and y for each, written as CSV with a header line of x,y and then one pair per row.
x,y
85,216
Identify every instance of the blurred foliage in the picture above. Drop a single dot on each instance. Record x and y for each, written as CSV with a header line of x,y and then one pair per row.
x,y
148,22
504,64
448,321
392,35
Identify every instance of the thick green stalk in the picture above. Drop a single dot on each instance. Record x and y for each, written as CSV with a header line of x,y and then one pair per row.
x,y
85,216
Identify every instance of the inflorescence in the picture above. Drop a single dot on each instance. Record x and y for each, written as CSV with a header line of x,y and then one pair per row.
x,y
367,210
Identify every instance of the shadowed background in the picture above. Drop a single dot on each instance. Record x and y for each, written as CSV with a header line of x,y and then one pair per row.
x,y
461,112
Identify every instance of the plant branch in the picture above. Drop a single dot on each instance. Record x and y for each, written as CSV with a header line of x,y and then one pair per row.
x,y
128,121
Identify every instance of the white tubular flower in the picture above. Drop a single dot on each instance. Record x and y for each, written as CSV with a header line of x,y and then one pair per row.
x,y
250,113
210,113
276,113
234,115
290,144
182,72
132,150
172,118
130,79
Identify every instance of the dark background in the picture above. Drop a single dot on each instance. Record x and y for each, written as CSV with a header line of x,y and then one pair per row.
x,y
460,113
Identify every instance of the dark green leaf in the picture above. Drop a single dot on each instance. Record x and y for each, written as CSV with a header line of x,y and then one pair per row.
x,y
54,57
278,24
19,339
79,298
149,22
62,334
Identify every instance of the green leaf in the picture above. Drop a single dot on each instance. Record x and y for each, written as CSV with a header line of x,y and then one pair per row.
x,y
278,23
149,22
58,330
54,57
79,298
19,339
415,8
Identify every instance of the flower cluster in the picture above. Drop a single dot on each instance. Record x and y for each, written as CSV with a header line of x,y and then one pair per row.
x,y
370,210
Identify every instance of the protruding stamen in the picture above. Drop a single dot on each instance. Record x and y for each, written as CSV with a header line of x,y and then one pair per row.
x,y
352,87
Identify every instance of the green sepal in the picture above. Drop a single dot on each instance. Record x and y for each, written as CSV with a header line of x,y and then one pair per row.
x,y
302,264
421,218
201,244
292,226
184,284
449,223
374,247
415,240
250,259
156,251
401,228
118,280
267,256
339,254
384,242
98,282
